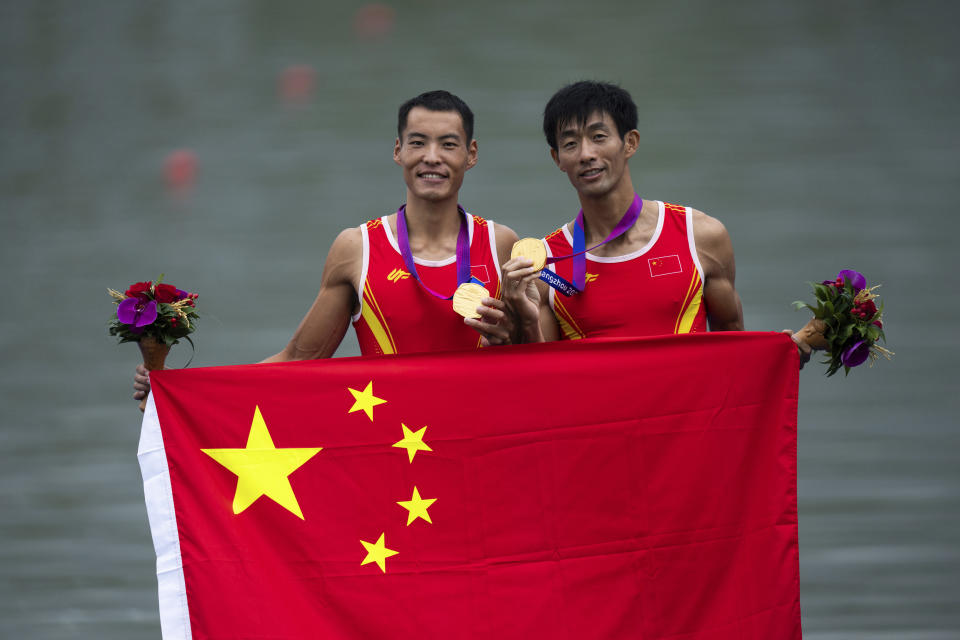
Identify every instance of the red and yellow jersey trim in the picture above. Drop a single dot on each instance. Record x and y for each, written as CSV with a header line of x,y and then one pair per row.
x,y
571,330
691,305
373,317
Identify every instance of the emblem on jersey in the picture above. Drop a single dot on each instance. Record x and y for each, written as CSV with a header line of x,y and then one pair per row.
x,y
397,274
479,271
479,221
592,276
664,265
373,224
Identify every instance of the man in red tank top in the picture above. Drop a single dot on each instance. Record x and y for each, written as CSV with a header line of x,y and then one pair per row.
x,y
365,279
671,271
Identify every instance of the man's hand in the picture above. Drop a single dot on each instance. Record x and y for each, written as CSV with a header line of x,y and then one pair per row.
x,y
803,348
495,324
141,383
522,297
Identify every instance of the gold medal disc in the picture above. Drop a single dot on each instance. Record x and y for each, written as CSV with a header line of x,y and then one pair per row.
x,y
467,298
532,249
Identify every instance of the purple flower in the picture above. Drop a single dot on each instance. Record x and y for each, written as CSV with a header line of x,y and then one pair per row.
x,y
137,312
856,355
855,278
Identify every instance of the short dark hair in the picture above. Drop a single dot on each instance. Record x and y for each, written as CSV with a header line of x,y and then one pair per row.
x,y
437,101
576,102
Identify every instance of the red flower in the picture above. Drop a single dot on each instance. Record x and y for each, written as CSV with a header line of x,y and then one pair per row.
x,y
139,290
166,293
878,324
868,307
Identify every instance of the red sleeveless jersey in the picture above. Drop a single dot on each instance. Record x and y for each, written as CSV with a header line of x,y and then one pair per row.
x,y
653,291
396,314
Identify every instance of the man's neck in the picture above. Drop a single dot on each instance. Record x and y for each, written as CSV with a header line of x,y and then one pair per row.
x,y
430,223
602,213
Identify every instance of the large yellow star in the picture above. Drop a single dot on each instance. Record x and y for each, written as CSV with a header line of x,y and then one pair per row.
x,y
412,441
365,400
377,552
262,469
417,507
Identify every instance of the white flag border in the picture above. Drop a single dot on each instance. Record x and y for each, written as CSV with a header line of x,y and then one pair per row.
x,y
158,493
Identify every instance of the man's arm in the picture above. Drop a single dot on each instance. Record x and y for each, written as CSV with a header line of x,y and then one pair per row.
x,y
715,251
325,324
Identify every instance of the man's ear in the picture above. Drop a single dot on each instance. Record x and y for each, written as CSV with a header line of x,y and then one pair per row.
x,y
555,156
631,142
473,151
396,151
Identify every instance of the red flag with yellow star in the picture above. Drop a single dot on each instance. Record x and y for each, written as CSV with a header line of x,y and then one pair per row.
x,y
639,488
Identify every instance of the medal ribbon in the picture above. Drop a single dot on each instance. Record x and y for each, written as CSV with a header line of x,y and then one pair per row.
x,y
579,247
463,250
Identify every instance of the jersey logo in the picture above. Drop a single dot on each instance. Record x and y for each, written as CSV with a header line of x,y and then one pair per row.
x,y
480,221
664,266
592,276
398,274
373,224
479,271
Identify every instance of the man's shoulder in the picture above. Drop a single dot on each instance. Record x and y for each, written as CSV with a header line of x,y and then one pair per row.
x,y
348,245
707,227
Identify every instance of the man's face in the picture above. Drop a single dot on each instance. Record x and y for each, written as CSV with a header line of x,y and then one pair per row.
x,y
594,156
434,153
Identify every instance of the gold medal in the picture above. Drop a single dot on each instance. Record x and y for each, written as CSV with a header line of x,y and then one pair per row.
x,y
467,298
531,249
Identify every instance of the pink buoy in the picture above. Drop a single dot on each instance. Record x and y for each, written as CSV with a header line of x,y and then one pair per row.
x,y
180,170
373,21
297,83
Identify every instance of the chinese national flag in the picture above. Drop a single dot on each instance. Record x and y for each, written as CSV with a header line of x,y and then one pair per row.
x,y
640,488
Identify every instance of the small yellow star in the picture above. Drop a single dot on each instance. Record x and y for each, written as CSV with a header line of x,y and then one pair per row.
x,y
262,469
412,441
417,507
365,400
377,552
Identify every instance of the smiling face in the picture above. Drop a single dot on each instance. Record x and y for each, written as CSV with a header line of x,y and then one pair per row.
x,y
434,153
593,154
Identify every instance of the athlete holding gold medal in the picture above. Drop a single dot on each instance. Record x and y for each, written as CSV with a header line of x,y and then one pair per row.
x,y
626,266
394,276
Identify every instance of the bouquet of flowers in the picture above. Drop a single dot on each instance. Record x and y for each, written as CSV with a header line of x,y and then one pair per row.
x,y
158,311
846,322
155,316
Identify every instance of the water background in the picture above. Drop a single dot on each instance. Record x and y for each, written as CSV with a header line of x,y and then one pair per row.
x,y
823,134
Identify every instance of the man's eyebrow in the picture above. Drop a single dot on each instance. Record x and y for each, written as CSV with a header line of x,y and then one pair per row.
x,y
572,129
445,136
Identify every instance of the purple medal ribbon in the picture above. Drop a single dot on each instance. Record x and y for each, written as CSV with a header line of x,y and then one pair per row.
x,y
463,250
579,249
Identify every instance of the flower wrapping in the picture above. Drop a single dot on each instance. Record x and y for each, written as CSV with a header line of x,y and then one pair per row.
x,y
847,322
